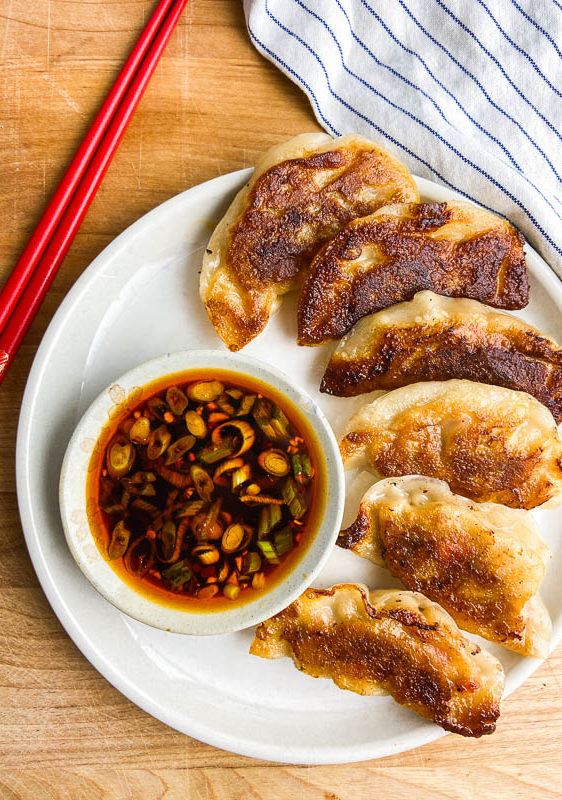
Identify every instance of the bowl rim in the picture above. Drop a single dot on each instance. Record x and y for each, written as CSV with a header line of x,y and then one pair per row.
x,y
79,537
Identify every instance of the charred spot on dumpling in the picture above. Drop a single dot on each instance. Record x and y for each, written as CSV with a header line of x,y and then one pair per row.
x,y
301,194
358,530
483,562
389,641
453,249
489,443
297,205
437,338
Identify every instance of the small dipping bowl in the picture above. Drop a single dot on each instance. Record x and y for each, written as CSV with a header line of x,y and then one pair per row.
x,y
113,404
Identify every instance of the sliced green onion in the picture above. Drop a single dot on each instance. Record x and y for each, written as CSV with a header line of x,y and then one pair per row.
x,y
232,538
262,415
120,457
240,476
140,430
251,563
271,420
168,539
195,424
205,391
203,482
294,498
231,591
239,432
228,466
140,556
275,462
158,441
176,400
270,515
206,553
179,448
283,540
158,407
246,405
178,574
209,527
120,537
258,581
280,424
210,455
268,551
302,469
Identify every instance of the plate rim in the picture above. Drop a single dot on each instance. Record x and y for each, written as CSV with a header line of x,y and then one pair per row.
x,y
99,660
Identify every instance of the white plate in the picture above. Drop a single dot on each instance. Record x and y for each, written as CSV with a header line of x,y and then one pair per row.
x,y
140,299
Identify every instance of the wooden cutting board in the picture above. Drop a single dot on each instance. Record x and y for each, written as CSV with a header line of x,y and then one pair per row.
x,y
213,105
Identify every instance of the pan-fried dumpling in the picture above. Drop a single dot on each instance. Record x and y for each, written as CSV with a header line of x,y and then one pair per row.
x,y
482,562
487,442
434,338
301,193
455,249
392,642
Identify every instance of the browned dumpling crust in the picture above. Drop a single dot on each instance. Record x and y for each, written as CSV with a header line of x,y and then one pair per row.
x,y
487,442
455,249
482,562
433,338
389,641
301,193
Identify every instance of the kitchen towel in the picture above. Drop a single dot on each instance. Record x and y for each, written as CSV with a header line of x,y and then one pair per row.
x,y
467,93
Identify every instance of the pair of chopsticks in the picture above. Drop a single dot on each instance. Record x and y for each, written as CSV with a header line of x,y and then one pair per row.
x,y
37,266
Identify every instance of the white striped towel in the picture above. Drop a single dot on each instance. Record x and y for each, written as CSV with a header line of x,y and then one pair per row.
x,y
467,93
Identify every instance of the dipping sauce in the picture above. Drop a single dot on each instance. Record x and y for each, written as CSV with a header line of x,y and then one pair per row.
x,y
205,489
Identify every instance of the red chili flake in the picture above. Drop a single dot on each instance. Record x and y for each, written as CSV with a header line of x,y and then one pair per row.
x,y
191,456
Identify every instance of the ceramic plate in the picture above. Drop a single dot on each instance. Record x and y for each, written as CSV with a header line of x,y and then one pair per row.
x,y
140,299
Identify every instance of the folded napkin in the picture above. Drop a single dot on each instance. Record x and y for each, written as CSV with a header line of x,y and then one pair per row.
x,y
467,93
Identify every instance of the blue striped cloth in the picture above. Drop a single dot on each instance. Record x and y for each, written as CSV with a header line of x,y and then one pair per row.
x,y
467,93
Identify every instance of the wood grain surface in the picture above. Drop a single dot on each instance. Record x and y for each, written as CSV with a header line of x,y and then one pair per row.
x,y
213,105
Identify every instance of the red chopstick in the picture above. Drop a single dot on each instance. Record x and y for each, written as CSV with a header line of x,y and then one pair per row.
x,y
27,285
40,237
